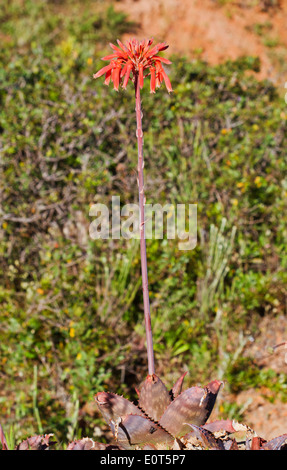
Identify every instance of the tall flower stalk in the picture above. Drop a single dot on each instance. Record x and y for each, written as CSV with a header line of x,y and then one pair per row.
x,y
136,61
139,134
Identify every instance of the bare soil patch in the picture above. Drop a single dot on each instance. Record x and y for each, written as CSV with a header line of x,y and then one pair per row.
x,y
216,30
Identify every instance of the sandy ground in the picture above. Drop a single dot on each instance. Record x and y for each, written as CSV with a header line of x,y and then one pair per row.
x,y
216,30
265,412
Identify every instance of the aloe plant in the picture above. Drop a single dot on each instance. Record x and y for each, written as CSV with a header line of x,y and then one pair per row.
x,y
161,416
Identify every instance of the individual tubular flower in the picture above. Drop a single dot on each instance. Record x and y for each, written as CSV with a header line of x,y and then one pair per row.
x,y
136,60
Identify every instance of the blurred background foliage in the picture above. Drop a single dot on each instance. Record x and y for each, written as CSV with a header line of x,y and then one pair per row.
x,y
71,315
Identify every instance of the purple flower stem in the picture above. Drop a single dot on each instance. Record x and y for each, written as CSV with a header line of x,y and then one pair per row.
x,y
139,134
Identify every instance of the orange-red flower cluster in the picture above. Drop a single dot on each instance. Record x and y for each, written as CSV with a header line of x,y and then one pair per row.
x,y
133,60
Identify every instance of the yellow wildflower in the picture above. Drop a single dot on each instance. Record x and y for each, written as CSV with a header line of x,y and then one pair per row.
x,y
258,181
72,332
225,131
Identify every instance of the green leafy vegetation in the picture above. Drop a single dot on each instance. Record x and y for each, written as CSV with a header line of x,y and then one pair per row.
x,y
71,314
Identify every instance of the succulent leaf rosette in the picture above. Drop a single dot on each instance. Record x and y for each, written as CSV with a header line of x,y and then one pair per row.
x,y
161,416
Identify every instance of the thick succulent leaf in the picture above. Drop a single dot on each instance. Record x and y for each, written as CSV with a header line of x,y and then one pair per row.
x,y
114,407
88,444
3,439
193,406
276,444
225,425
153,397
36,443
177,388
257,442
206,438
219,429
135,430
83,444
